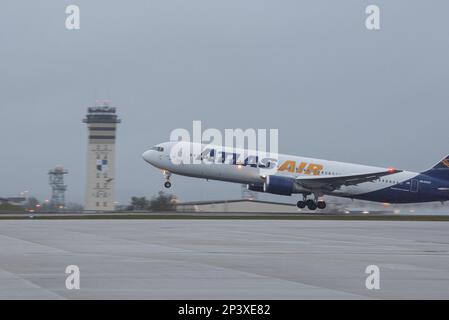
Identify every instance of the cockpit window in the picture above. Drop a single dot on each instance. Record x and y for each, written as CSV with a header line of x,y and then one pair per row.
x,y
158,149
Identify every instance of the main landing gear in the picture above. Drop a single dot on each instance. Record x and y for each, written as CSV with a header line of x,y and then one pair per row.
x,y
311,204
167,175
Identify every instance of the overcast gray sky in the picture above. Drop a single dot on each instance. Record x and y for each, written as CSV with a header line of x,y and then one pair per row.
x,y
309,68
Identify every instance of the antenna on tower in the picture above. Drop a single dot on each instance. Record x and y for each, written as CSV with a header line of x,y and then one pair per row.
x,y
56,180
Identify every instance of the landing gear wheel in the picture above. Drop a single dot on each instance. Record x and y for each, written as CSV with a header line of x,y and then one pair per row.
x,y
301,204
311,205
167,175
310,202
321,204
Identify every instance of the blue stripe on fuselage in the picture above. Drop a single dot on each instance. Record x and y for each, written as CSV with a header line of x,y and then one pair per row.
x,y
423,189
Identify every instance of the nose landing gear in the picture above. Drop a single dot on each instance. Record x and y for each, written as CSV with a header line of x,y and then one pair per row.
x,y
167,175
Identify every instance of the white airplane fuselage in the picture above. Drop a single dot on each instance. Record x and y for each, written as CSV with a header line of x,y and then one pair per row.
x,y
305,174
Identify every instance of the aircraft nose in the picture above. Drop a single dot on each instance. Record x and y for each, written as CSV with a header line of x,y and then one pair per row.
x,y
147,155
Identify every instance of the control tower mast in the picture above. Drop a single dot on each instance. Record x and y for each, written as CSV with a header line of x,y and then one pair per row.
x,y
56,180
101,123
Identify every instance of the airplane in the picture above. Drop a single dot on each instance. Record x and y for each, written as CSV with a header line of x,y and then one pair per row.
x,y
311,178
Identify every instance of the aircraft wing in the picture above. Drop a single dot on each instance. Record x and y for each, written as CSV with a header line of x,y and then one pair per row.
x,y
335,182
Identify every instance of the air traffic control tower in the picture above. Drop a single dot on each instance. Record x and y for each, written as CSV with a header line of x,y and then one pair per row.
x,y
101,123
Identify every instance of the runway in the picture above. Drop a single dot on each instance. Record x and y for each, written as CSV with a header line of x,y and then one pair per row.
x,y
223,259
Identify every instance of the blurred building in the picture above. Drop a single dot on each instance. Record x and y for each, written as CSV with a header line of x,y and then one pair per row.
x,y
17,201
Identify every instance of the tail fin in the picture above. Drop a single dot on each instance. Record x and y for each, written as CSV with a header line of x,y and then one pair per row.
x,y
440,170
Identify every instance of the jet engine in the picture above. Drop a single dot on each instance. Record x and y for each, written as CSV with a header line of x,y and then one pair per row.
x,y
279,185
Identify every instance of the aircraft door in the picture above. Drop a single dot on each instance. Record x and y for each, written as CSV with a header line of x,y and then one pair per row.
x,y
414,185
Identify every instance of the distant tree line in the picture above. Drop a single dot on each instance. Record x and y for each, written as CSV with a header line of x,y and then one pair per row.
x,y
161,202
